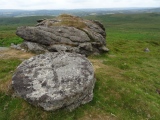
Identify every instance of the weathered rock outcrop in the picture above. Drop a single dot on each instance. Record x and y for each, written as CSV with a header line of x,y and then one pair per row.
x,y
55,80
66,33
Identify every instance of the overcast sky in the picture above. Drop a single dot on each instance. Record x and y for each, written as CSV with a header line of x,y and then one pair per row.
x,y
75,4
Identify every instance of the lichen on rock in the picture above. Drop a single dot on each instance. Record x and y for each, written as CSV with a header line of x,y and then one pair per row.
x,y
68,31
55,80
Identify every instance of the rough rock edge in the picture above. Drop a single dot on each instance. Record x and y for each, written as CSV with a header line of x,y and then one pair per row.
x,y
80,99
93,29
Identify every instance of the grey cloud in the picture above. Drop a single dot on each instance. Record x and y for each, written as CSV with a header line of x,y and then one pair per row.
x,y
58,4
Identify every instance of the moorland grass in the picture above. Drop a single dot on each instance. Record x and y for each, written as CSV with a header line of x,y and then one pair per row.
x,y
127,77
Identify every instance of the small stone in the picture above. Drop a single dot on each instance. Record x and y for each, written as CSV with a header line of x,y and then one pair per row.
x,y
59,30
158,91
149,116
146,50
12,44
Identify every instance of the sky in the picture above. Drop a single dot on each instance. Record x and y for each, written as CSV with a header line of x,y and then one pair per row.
x,y
75,4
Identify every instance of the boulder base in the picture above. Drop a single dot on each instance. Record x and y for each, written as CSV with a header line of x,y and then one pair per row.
x,y
55,80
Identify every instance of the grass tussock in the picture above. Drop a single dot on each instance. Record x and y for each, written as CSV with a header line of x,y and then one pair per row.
x,y
71,21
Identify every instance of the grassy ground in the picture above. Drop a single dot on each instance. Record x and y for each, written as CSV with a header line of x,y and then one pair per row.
x,y
8,27
127,77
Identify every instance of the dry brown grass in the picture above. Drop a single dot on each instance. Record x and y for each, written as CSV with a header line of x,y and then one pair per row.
x,y
108,70
97,114
5,87
12,53
71,21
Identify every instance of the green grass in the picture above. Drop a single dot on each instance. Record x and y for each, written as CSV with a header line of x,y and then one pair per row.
x,y
7,66
133,92
8,28
127,77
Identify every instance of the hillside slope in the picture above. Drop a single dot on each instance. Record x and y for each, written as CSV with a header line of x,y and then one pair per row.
x,y
127,86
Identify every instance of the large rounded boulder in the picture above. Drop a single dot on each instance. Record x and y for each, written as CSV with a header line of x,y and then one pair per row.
x,y
55,80
65,33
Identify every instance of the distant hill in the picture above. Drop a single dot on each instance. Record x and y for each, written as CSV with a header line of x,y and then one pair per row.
x,y
78,12
155,10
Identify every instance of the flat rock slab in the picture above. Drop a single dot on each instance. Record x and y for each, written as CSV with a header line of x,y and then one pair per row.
x,y
4,48
55,80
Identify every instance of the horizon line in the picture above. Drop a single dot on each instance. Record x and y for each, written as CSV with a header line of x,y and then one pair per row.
x,y
85,8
